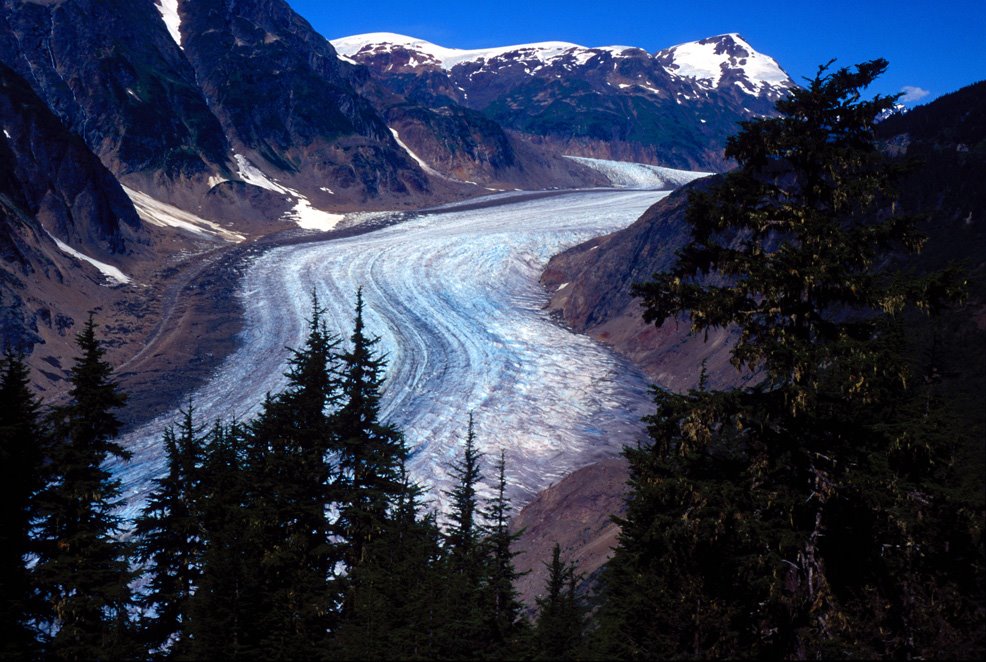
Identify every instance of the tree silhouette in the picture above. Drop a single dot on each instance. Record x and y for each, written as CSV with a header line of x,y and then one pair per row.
x,y
82,573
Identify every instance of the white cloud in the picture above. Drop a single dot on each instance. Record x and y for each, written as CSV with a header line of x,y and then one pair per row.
x,y
912,93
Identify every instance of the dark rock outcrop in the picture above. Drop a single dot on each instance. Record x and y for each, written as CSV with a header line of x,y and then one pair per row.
x,y
112,73
312,128
53,189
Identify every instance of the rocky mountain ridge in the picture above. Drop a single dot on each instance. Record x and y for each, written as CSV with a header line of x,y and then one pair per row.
x,y
674,107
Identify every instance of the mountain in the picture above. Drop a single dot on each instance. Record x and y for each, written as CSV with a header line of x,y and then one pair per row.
x,y
675,107
69,235
173,128
313,131
165,93
111,72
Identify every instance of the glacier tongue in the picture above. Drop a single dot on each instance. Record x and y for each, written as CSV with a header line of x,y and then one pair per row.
x,y
454,296
627,174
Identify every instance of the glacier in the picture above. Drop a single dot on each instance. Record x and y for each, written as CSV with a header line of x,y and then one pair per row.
x,y
454,296
628,174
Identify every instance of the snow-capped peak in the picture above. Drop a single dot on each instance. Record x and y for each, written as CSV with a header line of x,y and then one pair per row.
x,y
708,59
447,58
719,61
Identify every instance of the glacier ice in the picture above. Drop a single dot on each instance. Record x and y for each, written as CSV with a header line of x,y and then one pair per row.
x,y
628,174
455,298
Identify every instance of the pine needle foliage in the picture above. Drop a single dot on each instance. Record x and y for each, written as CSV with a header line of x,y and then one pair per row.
x,y
170,541
773,520
82,574
23,444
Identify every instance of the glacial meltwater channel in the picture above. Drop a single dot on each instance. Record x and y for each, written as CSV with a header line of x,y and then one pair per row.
x,y
455,298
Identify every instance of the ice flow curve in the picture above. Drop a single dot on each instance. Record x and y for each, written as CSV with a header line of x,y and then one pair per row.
x,y
455,299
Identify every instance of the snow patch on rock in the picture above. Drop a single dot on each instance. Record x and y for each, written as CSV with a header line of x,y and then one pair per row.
x,y
112,273
306,216
251,174
162,214
417,159
309,218
169,14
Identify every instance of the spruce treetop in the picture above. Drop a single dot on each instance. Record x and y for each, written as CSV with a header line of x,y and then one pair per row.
x,y
786,250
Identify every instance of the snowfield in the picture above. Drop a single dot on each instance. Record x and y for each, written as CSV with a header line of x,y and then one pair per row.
x,y
455,299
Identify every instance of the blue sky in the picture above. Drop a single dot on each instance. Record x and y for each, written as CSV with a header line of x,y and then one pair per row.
x,y
933,47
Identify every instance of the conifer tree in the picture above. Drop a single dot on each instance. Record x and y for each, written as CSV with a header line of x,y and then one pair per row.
x,y
291,470
21,454
464,527
370,452
225,611
170,541
764,521
466,633
82,572
502,603
312,394
396,589
560,623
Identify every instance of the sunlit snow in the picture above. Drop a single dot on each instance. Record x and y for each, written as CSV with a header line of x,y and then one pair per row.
x,y
306,216
626,174
251,174
455,298
690,60
447,58
169,14
417,159
112,273
309,218
162,214
702,62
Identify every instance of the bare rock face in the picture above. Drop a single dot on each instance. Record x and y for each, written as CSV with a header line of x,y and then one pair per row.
x,y
592,285
312,128
50,175
461,145
64,223
167,101
576,513
112,73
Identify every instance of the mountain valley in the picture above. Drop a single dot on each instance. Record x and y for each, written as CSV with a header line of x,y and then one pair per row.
x,y
163,93
191,172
